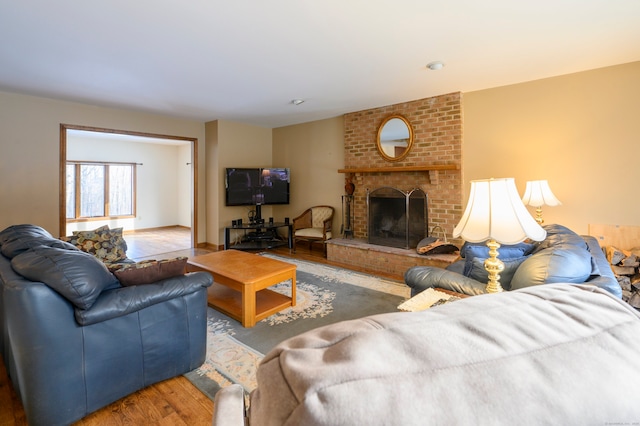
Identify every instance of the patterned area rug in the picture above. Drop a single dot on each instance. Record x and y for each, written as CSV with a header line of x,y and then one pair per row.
x,y
324,295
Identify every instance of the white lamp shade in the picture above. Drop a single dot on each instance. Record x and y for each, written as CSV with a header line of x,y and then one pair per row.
x,y
495,211
538,194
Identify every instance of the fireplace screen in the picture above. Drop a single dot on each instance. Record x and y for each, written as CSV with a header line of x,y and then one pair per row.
x,y
396,218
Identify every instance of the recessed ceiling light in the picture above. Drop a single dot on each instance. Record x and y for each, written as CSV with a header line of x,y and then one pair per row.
x,y
435,66
297,101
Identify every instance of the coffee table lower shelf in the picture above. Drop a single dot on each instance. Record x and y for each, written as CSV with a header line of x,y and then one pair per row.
x,y
229,302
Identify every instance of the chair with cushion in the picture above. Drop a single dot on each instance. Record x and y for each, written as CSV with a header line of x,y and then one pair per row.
x,y
75,337
314,225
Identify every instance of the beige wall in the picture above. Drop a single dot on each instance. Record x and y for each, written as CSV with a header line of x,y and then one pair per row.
x,y
185,186
232,144
30,152
581,132
212,181
314,151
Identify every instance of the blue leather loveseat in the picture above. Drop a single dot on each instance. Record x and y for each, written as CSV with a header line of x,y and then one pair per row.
x,y
562,257
74,340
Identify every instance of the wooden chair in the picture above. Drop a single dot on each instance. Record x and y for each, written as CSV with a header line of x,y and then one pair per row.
x,y
313,225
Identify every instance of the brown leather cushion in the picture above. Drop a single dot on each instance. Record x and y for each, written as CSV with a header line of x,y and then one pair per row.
x,y
151,271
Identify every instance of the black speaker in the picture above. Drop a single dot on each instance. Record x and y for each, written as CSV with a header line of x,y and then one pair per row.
x,y
286,220
270,221
234,223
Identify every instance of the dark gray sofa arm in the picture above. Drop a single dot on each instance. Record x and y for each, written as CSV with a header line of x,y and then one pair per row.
x,y
124,300
420,278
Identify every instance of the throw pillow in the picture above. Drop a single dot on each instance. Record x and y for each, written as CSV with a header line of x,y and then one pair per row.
x,y
113,267
106,244
479,273
149,272
480,251
506,251
76,275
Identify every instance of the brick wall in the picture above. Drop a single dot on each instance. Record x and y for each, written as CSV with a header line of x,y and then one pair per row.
x,y
392,262
437,125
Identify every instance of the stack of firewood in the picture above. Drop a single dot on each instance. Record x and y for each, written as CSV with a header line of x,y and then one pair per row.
x,y
625,265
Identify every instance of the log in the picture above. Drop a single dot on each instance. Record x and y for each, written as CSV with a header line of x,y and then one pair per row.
x,y
625,283
623,270
630,260
634,300
614,255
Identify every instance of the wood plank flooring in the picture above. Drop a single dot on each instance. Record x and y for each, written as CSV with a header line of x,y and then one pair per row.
x,y
171,402
158,242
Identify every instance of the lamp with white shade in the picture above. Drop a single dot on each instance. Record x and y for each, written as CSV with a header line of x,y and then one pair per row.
x,y
538,194
496,214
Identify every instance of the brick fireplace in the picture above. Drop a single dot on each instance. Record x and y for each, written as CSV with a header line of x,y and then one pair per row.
x,y
396,218
432,165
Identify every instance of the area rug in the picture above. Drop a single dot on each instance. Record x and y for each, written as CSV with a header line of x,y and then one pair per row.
x,y
324,295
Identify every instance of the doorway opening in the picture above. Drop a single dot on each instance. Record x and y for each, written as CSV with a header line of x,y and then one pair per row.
x,y
152,207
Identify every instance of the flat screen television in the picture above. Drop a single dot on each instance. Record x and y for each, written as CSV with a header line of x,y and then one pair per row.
x,y
257,186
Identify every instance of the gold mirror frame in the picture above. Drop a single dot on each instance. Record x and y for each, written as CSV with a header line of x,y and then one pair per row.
x,y
391,136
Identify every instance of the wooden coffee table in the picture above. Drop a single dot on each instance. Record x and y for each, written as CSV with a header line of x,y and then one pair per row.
x,y
240,284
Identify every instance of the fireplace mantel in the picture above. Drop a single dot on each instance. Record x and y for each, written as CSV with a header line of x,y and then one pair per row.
x,y
432,169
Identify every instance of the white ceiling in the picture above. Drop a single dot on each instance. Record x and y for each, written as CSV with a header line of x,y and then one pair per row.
x,y
245,60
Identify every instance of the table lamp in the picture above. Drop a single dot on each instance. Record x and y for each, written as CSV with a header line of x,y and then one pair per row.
x,y
538,194
496,214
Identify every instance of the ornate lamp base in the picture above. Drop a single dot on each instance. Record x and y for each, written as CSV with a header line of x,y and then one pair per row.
x,y
539,218
494,267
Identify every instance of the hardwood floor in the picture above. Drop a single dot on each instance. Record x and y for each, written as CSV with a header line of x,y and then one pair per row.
x,y
157,242
171,402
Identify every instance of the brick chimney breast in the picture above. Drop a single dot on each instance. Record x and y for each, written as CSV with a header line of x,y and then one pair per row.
x,y
437,126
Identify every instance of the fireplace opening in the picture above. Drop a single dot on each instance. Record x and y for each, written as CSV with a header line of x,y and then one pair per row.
x,y
396,218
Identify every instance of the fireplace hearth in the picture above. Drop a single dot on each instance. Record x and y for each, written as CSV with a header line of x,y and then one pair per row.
x,y
396,218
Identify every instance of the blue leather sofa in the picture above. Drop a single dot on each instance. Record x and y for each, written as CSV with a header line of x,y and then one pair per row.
x,y
74,340
562,257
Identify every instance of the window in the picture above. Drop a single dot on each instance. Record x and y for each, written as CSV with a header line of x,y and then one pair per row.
x,y
99,190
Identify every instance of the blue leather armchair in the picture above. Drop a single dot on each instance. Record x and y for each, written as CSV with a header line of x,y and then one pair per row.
x,y
79,341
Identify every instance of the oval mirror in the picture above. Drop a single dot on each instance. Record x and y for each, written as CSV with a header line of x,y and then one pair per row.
x,y
395,138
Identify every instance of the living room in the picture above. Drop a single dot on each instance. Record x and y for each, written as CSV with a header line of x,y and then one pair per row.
x,y
576,173
574,125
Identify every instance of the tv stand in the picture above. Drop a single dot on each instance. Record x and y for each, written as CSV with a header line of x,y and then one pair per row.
x,y
257,217
262,236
